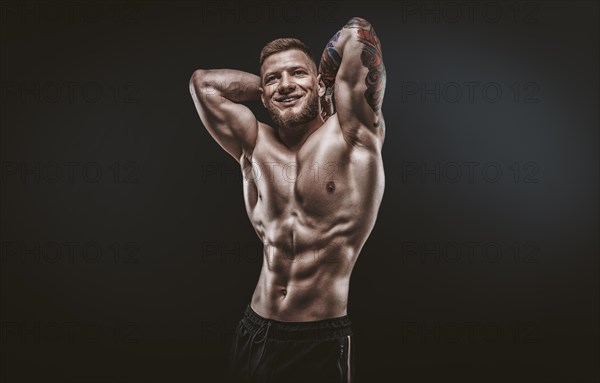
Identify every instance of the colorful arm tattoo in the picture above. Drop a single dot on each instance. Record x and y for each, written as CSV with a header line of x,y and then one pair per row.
x,y
371,59
330,62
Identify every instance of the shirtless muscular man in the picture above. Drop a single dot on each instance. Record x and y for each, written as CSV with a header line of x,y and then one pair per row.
x,y
313,184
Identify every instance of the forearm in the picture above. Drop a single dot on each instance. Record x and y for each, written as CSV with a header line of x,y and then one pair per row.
x,y
331,60
334,51
357,34
234,85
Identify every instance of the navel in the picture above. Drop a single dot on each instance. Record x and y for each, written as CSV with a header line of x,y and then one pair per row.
x,y
330,186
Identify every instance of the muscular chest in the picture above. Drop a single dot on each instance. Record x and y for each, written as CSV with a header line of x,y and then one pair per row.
x,y
312,183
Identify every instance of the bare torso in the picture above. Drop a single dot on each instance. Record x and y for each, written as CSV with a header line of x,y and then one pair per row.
x,y
313,210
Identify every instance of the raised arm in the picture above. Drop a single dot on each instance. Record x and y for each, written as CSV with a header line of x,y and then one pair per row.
x,y
353,72
218,94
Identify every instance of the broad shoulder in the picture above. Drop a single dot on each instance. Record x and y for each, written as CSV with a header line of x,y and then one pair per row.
x,y
330,134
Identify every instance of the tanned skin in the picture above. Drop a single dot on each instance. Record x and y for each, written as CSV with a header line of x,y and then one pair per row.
x,y
314,181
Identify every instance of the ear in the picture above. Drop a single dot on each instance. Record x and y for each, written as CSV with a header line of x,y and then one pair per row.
x,y
262,95
321,86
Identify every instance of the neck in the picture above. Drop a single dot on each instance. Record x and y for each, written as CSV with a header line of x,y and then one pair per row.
x,y
294,137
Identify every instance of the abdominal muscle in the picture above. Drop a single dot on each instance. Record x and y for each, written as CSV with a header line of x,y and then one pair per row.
x,y
304,285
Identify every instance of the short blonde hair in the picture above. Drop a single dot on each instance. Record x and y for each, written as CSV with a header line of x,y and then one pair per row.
x,y
284,44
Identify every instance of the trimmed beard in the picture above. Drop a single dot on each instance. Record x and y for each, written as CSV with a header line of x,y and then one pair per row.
x,y
309,112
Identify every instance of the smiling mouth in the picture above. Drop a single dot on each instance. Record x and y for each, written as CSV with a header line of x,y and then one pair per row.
x,y
289,100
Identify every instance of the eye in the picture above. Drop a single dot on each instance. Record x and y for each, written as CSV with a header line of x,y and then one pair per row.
x,y
299,72
269,79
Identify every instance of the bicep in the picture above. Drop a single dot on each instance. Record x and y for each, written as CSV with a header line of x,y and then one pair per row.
x,y
232,125
360,81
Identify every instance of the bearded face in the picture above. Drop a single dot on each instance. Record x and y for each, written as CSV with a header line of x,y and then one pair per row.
x,y
290,90
305,110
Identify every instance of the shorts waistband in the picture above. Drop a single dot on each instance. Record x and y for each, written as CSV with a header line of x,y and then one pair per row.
x,y
314,330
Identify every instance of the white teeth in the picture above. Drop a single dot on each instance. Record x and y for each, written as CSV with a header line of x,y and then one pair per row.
x,y
290,99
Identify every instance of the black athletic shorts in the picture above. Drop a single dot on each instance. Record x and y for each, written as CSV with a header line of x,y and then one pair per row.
x,y
265,350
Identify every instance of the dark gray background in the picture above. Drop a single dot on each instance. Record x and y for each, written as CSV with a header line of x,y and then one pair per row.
x,y
140,273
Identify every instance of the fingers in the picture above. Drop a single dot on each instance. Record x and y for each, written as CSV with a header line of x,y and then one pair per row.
x,y
327,108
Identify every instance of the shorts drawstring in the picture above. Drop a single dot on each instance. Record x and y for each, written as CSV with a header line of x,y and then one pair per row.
x,y
267,326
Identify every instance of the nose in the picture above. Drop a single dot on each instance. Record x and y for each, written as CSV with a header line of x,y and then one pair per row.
x,y
286,86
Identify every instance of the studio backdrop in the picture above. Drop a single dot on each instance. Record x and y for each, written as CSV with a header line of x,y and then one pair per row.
x,y
126,251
